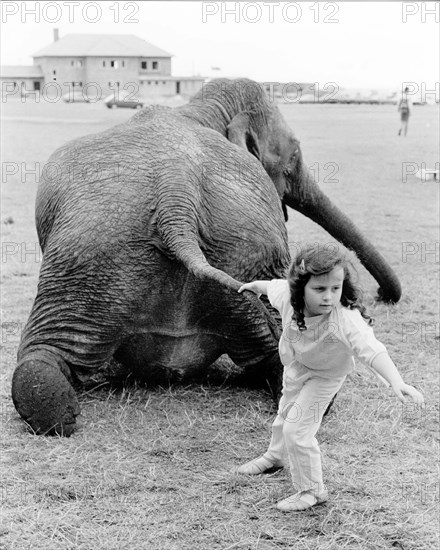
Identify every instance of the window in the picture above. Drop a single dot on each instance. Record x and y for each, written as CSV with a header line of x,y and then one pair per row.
x,y
103,63
155,65
123,63
72,63
54,72
114,64
143,64
156,82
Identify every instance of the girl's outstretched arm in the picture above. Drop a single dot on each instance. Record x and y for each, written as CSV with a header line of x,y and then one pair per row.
x,y
258,287
384,365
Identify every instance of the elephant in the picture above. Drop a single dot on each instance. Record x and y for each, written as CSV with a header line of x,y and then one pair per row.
x,y
147,231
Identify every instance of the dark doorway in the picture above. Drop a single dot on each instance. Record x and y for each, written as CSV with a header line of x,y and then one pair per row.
x,y
177,87
36,85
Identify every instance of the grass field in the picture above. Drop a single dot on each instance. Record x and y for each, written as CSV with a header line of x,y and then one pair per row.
x,y
149,468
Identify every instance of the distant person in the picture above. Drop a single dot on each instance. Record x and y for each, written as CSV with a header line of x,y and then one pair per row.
x,y
403,107
324,325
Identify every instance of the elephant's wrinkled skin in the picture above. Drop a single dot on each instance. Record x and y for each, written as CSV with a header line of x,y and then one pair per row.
x,y
146,232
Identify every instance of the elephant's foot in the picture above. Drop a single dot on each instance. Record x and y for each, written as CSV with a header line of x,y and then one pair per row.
x,y
222,370
44,398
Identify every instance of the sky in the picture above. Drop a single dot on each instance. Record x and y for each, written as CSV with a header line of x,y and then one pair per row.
x,y
353,44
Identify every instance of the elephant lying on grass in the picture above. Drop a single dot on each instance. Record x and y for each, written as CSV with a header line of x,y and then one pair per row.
x,y
143,262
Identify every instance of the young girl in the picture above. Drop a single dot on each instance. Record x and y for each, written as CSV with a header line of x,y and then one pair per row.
x,y
324,326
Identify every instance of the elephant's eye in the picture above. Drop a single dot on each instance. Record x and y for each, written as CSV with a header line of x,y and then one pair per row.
x,y
293,156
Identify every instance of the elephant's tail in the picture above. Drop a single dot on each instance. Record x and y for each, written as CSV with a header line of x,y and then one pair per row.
x,y
178,227
190,254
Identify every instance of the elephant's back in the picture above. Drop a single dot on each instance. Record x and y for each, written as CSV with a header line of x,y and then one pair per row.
x,y
101,175
120,154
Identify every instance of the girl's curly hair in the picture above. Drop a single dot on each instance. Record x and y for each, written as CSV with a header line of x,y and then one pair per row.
x,y
319,259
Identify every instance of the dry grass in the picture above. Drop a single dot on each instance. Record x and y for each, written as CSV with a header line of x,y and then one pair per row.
x,y
150,468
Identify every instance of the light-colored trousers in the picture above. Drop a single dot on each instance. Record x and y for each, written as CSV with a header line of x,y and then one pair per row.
x,y
302,405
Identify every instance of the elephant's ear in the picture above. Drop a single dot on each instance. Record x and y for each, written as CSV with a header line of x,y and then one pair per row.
x,y
240,132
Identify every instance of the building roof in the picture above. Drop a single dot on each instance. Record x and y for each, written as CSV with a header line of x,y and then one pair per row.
x,y
21,71
102,45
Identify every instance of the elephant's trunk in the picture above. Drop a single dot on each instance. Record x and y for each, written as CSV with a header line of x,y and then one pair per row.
x,y
313,203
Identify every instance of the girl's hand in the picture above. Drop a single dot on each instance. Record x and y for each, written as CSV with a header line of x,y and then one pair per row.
x,y
258,287
253,287
405,389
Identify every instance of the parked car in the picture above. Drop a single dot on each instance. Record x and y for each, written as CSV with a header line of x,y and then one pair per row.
x,y
123,99
75,97
33,94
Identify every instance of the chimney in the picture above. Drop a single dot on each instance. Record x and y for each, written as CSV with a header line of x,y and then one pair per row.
x,y
56,35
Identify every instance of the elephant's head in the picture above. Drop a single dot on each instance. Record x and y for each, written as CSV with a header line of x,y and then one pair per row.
x,y
245,114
